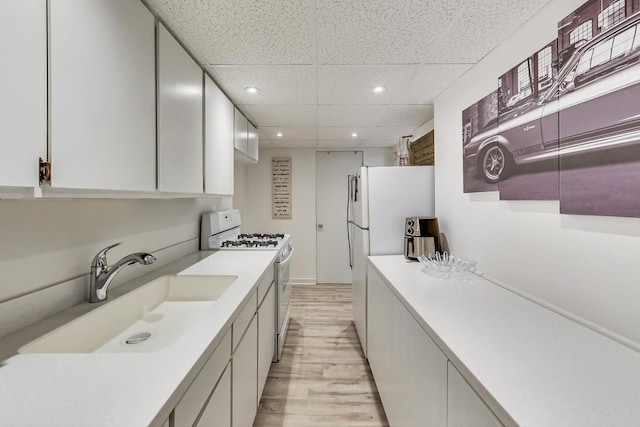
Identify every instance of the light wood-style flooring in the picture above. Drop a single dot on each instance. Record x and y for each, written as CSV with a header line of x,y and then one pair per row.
x,y
323,378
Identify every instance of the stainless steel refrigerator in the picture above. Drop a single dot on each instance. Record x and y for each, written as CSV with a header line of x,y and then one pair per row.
x,y
380,199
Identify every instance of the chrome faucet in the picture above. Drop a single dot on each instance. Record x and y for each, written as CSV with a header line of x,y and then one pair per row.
x,y
102,275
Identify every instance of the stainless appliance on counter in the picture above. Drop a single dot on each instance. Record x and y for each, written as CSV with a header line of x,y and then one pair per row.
x,y
421,237
380,200
221,231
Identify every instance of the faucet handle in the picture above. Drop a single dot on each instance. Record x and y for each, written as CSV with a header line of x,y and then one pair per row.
x,y
100,260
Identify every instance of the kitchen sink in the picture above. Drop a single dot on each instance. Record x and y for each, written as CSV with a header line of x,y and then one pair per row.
x,y
147,319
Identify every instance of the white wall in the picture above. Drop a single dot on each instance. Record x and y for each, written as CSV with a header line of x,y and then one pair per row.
x,y
240,189
585,265
424,129
255,207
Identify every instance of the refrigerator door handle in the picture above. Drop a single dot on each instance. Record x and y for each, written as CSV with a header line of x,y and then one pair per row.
x,y
355,188
349,210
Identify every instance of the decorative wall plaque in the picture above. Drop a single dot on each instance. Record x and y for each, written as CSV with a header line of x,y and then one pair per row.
x,y
281,187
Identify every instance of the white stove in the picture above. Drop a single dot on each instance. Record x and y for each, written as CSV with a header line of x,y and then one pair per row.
x,y
221,231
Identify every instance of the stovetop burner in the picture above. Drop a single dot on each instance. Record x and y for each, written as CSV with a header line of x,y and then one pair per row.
x,y
221,230
261,236
244,243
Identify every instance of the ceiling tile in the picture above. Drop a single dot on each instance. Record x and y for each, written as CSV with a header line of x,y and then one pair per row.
x,y
265,143
339,133
288,133
354,84
262,135
350,115
343,143
380,31
243,31
475,33
298,143
278,84
369,132
428,82
282,115
408,115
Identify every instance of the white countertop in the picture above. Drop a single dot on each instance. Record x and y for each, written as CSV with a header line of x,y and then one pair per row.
x,y
120,389
532,366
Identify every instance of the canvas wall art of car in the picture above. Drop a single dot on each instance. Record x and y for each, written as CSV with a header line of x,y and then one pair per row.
x,y
568,123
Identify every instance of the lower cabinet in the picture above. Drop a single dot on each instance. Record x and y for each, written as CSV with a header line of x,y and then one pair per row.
x,y
217,413
227,390
465,408
418,386
245,378
203,389
409,369
266,337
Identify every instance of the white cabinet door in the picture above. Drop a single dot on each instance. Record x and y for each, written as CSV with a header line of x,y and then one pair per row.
x,y
245,378
218,141
422,376
241,137
23,91
410,371
359,282
196,397
465,408
180,143
379,337
102,95
217,413
266,337
252,142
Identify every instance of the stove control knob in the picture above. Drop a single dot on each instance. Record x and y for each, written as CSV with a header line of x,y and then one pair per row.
x,y
409,230
410,223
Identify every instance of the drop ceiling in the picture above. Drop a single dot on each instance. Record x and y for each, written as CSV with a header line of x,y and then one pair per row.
x,y
316,62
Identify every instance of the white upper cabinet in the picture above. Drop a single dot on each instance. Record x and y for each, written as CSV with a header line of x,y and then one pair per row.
x,y
23,91
180,145
252,142
240,141
246,139
102,95
218,140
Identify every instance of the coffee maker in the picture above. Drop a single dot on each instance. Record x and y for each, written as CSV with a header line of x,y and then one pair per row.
x,y
421,237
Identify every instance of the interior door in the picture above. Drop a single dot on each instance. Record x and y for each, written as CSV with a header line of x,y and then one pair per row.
x,y
332,253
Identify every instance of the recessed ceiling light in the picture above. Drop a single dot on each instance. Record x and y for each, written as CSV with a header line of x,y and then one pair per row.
x,y
251,89
379,89
354,135
279,134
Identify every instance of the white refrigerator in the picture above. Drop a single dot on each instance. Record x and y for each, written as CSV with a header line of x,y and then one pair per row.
x,y
380,199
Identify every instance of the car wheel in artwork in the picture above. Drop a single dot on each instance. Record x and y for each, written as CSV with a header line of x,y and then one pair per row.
x,y
495,163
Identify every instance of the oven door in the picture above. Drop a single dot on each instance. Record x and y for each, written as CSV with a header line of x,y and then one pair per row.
x,y
283,298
